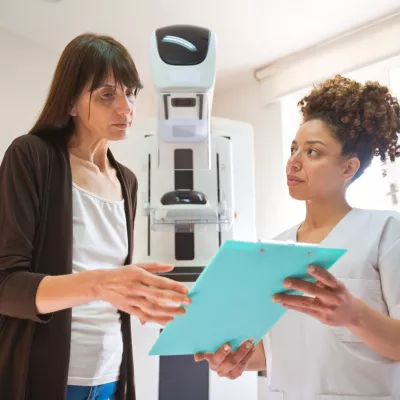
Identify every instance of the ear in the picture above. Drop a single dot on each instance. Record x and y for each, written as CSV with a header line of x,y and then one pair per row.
x,y
73,112
351,166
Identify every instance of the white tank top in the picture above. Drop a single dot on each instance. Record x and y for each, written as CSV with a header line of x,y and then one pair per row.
x,y
100,241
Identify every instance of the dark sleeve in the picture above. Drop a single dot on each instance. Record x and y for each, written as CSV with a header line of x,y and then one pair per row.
x,y
19,216
134,190
134,201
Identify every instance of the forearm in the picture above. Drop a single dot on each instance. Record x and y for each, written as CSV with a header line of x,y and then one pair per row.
x,y
378,331
258,361
57,293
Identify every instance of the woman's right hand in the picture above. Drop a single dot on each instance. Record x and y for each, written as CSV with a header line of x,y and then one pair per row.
x,y
136,290
227,363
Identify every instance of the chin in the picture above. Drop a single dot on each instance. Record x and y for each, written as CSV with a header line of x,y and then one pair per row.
x,y
298,194
117,136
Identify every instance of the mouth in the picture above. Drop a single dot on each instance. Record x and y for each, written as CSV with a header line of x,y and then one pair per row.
x,y
121,126
293,180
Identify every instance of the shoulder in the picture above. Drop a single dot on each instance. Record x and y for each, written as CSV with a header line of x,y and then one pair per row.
x,y
30,143
289,234
379,218
29,150
385,224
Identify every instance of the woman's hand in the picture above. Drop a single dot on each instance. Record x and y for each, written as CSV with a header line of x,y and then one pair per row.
x,y
136,290
227,363
331,303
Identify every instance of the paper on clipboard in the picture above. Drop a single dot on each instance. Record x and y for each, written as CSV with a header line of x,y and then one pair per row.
x,y
232,298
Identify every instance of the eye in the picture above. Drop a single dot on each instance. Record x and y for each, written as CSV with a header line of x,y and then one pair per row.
x,y
108,95
292,150
312,152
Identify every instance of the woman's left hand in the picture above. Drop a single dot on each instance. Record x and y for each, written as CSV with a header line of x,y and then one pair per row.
x,y
331,303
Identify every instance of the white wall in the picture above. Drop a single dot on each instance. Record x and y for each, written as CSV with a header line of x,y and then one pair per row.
x,y
353,51
25,74
244,103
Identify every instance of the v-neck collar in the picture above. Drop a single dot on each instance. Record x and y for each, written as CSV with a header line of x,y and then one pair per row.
x,y
332,234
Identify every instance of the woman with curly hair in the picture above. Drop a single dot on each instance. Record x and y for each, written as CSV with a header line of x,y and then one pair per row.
x,y
342,339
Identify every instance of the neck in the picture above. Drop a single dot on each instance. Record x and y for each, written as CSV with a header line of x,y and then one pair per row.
x,y
325,212
90,149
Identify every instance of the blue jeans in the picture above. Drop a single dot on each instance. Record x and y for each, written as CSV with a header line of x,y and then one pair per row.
x,y
100,392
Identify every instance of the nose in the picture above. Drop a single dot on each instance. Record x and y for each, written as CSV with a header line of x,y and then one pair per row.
x,y
294,163
124,106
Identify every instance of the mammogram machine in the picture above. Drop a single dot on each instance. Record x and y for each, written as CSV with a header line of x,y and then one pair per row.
x,y
196,190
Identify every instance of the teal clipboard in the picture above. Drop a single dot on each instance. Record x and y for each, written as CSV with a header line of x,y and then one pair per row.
x,y
232,298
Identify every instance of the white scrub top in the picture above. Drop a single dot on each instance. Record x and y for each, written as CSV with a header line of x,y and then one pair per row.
x,y
307,360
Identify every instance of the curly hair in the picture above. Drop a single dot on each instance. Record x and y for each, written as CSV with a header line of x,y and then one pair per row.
x,y
364,118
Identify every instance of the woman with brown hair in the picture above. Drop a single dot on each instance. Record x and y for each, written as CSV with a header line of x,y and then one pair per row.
x,y
67,210
342,340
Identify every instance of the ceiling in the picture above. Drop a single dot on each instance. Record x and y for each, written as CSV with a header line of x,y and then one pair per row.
x,y
250,33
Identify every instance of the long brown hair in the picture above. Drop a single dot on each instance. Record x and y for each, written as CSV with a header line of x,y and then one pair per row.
x,y
87,58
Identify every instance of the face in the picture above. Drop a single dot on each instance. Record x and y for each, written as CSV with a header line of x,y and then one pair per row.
x,y
316,168
107,113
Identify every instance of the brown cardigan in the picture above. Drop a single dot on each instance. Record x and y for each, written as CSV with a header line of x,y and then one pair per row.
x,y
35,241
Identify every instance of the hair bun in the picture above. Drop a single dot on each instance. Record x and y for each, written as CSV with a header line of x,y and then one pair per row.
x,y
361,116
